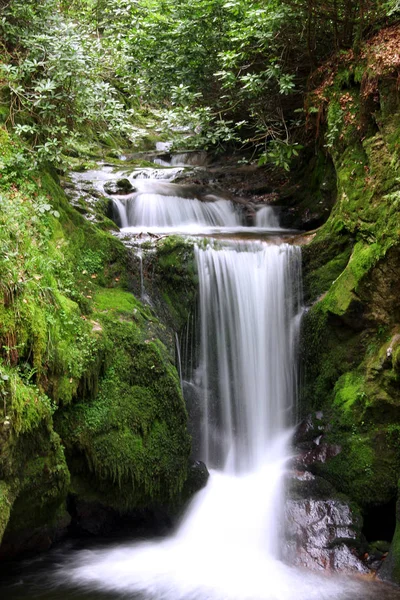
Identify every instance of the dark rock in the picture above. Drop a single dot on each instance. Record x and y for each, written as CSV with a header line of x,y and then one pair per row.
x,y
195,407
119,186
197,478
306,486
91,518
309,441
309,428
320,452
35,540
323,535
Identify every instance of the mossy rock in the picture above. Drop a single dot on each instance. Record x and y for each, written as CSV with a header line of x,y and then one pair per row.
x,y
43,483
170,278
78,351
352,269
131,437
6,502
366,469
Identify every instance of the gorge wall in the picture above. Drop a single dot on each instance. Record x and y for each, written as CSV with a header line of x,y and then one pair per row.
x,y
351,342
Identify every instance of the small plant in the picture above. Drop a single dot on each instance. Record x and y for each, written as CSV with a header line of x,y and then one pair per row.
x,y
4,390
47,208
280,154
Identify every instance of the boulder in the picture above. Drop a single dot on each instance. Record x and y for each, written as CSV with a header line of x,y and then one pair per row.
x,y
119,187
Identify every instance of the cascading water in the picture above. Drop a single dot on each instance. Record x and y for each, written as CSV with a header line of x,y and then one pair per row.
x,y
249,296
267,217
228,545
156,210
160,206
163,206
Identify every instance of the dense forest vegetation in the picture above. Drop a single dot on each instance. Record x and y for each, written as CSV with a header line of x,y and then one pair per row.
x,y
234,71
305,91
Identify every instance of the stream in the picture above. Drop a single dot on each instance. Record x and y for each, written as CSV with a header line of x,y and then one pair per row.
x,y
232,543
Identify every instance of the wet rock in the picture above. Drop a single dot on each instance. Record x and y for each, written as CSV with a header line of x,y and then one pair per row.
x,y
310,428
319,452
303,485
195,407
310,443
323,535
197,478
119,186
376,555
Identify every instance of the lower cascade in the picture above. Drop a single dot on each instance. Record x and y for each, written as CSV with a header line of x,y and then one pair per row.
x,y
230,543
249,299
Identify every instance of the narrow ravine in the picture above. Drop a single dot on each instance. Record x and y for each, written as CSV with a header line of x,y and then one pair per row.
x,y
231,542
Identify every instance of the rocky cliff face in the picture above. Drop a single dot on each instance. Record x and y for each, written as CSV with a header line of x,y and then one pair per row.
x,y
351,332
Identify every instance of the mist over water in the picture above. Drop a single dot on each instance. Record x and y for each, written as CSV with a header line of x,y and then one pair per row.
x,y
229,543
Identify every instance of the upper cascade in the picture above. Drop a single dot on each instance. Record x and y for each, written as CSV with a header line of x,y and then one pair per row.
x,y
156,210
159,205
267,217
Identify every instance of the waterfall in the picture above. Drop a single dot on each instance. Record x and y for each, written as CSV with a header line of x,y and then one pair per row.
x,y
161,205
267,217
228,544
249,297
157,210
240,373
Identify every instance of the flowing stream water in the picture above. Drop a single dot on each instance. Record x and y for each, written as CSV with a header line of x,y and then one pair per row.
x,y
229,544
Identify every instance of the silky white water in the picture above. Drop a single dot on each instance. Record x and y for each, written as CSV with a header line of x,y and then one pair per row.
x,y
267,217
152,210
163,207
249,297
228,545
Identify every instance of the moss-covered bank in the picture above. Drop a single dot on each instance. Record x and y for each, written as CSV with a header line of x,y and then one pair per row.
x,y
90,401
352,268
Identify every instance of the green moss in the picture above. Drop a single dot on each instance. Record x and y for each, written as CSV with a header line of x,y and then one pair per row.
x,y
348,390
79,351
43,485
175,278
352,266
324,274
132,435
343,290
116,300
364,469
6,502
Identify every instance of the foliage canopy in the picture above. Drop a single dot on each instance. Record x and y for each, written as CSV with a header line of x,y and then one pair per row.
x,y
228,69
